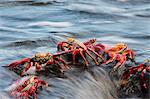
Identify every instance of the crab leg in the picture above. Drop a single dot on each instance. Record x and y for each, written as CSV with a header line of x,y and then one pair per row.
x,y
74,53
60,59
79,51
23,94
143,72
112,58
61,67
64,52
92,58
43,83
121,59
131,53
34,95
96,53
86,63
98,49
26,68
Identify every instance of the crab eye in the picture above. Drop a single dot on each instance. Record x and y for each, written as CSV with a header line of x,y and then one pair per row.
x,y
33,59
42,61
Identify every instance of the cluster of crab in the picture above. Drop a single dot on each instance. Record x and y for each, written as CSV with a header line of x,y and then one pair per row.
x,y
135,80
74,52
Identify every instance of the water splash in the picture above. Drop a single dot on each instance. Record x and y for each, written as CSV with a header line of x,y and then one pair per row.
x,y
93,84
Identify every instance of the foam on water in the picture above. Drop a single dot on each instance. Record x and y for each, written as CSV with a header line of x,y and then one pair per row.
x,y
53,24
94,84
117,39
95,8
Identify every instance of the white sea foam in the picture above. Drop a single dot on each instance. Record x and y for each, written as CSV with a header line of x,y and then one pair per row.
x,y
31,70
17,83
53,24
117,39
95,8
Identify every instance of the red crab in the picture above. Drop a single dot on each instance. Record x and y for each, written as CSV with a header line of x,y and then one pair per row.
x,y
142,72
26,87
40,59
66,45
119,52
79,48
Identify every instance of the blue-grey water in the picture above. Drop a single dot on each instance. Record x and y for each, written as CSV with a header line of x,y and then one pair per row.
x,y
31,26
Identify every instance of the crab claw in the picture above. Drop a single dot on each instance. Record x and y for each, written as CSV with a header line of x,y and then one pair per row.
x,y
61,46
20,62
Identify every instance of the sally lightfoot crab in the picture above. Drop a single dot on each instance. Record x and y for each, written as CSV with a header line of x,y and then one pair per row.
x,y
136,79
80,48
120,52
26,87
40,60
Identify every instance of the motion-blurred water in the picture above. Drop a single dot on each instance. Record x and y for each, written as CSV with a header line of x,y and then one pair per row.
x,y
31,26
